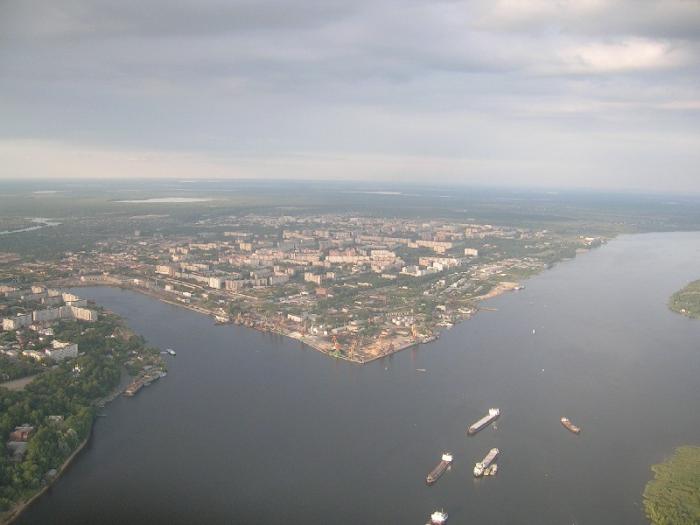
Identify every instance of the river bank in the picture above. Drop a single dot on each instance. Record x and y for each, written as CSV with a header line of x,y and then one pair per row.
x,y
672,497
687,300
376,349
15,512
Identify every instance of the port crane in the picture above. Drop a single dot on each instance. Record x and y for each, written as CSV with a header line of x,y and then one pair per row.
x,y
355,345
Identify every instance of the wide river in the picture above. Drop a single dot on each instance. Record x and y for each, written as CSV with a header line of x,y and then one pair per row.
x,y
255,428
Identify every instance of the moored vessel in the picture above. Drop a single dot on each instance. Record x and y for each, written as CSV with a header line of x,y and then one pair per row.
x,y
170,351
133,388
484,463
488,418
570,426
440,469
438,518
491,470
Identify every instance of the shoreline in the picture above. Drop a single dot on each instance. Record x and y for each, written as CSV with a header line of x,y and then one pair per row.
x,y
15,512
198,309
11,515
122,283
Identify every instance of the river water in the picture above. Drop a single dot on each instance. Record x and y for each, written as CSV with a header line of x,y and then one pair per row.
x,y
255,428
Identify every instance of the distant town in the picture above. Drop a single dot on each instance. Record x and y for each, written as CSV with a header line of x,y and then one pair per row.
x,y
354,287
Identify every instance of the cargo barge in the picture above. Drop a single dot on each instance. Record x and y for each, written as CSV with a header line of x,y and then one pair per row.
x,y
438,518
570,426
488,418
143,380
492,470
440,469
133,388
482,465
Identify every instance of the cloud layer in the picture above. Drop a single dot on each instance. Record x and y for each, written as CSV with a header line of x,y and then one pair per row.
x,y
588,93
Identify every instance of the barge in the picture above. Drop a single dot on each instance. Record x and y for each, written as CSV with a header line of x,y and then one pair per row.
x,y
570,426
440,469
488,418
438,518
133,388
491,470
482,465
143,380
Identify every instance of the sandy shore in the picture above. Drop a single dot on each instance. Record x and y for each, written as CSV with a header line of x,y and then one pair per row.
x,y
499,289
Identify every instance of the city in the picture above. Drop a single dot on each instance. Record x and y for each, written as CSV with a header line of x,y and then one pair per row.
x,y
312,262
356,288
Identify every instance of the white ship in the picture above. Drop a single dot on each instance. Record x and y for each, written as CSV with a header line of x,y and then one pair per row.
x,y
438,518
484,463
170,351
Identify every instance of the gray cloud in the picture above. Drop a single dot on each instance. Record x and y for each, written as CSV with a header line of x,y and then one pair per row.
x,y
585,93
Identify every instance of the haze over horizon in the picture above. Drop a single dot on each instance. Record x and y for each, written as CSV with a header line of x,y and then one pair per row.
x,y
590,93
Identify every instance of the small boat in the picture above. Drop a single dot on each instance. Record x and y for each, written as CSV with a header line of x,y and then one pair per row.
x,y
171,351
421,370
438,518
570,426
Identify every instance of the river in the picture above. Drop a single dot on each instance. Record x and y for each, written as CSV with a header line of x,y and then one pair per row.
x,y
40,221
255,428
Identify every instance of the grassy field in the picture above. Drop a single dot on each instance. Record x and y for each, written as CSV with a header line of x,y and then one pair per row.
x,y
687,300
673,496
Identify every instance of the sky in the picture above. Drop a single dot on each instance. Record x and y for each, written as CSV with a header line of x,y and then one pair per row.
x,y
545,93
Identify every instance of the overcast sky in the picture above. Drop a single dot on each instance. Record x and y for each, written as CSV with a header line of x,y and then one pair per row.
x,y
554,93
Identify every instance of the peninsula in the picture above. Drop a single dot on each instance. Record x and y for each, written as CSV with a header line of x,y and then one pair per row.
x,y
356,287
687,300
